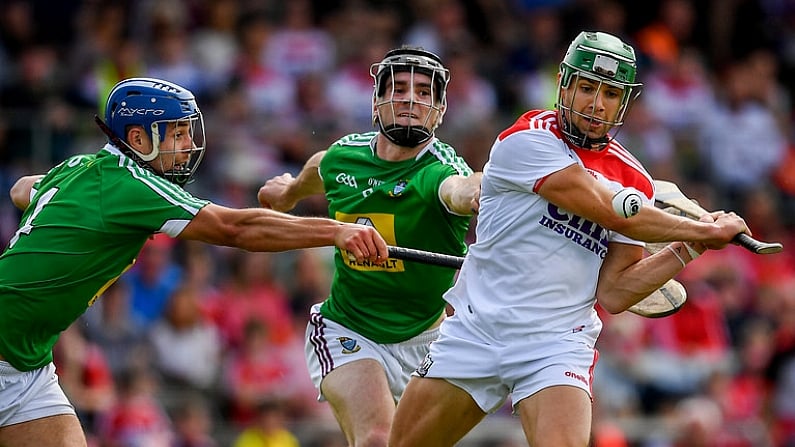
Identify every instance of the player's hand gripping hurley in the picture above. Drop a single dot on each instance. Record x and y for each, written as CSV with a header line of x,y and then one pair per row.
x,y
667,194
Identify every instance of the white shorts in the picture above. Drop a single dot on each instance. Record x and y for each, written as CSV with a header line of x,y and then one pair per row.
x,y
490,373
330,345
25,396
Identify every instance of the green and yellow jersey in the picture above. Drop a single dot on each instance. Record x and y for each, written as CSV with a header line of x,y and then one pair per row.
x,y
395,301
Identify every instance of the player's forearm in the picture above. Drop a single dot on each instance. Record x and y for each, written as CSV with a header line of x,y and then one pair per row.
x,y
283,192
621,286
308,181
279,232
260,229
459,193
577,192
654,225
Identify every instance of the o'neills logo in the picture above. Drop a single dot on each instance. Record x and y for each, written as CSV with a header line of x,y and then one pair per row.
x,y
582,232
576,376
422,371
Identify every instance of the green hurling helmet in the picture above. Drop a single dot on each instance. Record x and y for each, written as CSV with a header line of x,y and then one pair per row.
x,y
603,58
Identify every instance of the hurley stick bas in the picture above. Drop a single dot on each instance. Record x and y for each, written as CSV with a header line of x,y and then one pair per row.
x,y
664,301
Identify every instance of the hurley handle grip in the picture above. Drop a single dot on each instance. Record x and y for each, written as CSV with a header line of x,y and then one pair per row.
x,y
425,257
758,247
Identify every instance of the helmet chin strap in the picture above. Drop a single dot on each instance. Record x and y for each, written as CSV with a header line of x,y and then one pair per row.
x,y
580,139
405,136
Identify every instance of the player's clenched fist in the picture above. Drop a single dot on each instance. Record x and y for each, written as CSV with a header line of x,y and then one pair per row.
x,y
730,225
363,242
274,193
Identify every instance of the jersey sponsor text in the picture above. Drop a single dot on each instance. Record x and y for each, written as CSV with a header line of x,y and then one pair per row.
x,y
582,232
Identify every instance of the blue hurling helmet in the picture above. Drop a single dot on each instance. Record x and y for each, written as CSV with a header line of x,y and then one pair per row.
x,y
154,104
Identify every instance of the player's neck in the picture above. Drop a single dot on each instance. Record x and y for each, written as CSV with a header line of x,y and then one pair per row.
x,y
386,150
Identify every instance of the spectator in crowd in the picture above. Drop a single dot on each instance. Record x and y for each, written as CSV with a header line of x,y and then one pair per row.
x,y
213,45
260,370
269,428
153,279
111,325
187,348
298,47
251,291
270,92
172,60
193,422
740,142
137,418
84,374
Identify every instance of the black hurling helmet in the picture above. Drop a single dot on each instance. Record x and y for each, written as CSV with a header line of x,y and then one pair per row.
x,y
412,60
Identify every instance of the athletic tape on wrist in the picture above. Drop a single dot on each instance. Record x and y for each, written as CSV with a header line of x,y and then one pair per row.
x,y
677,255
691,251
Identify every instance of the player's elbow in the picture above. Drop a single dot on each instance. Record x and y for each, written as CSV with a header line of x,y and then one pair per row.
x,y
613,222
17,197
610,303
612,308
216,225
20,192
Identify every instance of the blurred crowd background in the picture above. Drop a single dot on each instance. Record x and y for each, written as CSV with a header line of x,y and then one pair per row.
x,y
203,346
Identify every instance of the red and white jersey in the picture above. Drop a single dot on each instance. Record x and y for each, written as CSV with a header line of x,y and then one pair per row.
x,y
533,269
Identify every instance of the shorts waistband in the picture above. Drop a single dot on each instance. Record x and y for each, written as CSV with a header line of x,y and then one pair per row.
x,y
426,337
7,369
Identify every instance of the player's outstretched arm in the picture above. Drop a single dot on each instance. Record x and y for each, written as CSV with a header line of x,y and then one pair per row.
x,y
260,229
461,194
283,192
575,190
20,192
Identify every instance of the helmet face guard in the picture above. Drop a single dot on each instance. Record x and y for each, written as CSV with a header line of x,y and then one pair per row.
x,y
172,168
161,109
609,63
412,61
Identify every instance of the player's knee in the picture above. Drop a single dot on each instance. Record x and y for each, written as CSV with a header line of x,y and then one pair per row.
x,y
377,437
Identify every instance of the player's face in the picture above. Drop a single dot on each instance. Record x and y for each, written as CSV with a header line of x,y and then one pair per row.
x,y
592,105
176,147
409,101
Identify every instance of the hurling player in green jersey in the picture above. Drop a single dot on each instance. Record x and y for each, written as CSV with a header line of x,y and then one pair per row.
x,y
373,330
84,223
